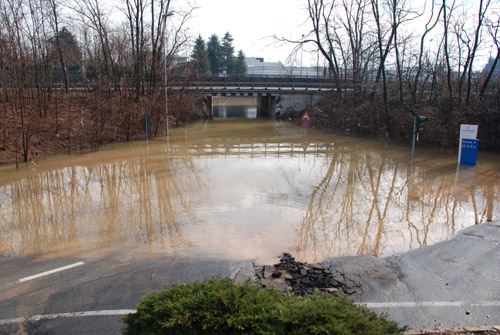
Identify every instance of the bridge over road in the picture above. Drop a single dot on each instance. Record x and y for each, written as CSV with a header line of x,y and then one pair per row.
x,y
288,92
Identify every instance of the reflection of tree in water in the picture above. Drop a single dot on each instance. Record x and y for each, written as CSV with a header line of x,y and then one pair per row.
x,y
143,199
369,203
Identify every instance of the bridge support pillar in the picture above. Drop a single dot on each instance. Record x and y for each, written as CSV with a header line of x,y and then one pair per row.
x,y
266,105
210,106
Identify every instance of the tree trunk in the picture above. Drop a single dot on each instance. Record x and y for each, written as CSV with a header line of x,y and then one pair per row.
x,y
490,74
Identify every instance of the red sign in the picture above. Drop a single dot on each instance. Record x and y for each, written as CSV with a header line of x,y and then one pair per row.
x,y
305,124
306,117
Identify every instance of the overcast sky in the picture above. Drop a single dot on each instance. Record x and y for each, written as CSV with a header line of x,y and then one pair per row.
x,y
252,25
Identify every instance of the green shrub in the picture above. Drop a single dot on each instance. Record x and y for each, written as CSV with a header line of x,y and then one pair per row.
x,y
218,306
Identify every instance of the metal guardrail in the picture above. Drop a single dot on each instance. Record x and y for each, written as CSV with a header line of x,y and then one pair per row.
x,y
262,82
254,77
221,82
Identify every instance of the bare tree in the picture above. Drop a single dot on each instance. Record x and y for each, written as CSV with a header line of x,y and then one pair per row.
x,y
135,16
493,28
4,99
23,28
356,24
54,22
468,40
100,67
94,16
463,44
322,18
159,10
429,26
342,34
400,12
483,7
383,51
446,23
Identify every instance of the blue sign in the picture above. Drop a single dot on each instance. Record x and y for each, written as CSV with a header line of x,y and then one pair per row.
x,y
469,152
305,124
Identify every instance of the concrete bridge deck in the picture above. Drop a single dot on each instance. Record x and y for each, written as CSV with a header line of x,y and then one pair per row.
x,y
258,85
290,92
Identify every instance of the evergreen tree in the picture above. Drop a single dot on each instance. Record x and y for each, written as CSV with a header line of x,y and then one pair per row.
x,y
200,56
215,55
227,53
70,50
240,65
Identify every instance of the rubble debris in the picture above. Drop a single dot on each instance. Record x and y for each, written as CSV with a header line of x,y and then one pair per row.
x,y
300,278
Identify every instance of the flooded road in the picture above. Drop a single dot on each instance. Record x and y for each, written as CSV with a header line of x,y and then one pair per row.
x,y
244,189
231,107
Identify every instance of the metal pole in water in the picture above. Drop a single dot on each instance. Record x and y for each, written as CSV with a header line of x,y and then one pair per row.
x,y
414,135
166,88
165,68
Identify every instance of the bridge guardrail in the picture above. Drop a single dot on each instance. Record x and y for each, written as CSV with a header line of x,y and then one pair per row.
x,y
77,81
263,82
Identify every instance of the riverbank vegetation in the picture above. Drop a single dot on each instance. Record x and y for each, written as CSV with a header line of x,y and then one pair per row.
x,y
392,59
63,89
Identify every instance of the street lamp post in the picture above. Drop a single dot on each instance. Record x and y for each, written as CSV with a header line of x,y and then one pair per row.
x,y
165,68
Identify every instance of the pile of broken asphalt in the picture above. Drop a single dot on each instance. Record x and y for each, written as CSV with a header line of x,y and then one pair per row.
x,y
300,278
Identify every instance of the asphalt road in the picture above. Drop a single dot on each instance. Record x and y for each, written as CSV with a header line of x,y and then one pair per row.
x,y
106,289
452,283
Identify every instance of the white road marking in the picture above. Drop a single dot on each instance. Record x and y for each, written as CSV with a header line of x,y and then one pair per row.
x,y
411,304
9,321
46,273
120,312
115,312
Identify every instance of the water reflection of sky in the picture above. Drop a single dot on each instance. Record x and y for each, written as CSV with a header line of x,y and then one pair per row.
x,y
249,112
246,190
234,107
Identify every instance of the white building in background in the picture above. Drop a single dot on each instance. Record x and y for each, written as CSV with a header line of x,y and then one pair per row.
x,y
258,67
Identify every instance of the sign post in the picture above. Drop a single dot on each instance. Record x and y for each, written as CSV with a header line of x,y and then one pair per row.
x,y
306,120
418,127
469,149
146,124
413,138
467,131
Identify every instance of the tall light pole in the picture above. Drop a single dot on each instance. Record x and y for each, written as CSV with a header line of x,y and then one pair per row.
x,y
165,67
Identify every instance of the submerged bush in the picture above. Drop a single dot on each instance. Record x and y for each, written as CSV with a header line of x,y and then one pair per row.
x,y
218,306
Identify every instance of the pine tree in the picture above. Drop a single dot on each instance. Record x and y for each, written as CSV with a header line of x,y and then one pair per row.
x,y
200,56
215,55
240,65
227,53
70,50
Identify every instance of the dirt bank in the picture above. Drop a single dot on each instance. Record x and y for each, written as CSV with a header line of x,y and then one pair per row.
x,y
37,124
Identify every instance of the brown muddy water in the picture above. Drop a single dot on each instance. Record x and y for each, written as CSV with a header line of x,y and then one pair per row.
x,y
244,189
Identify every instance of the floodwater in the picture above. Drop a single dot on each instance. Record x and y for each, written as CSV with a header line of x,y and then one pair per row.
x,y
244,189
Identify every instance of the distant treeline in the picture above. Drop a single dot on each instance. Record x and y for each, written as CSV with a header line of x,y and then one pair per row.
x,y
217,57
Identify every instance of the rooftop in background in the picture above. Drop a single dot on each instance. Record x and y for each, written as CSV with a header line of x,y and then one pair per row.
x,y
257,66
